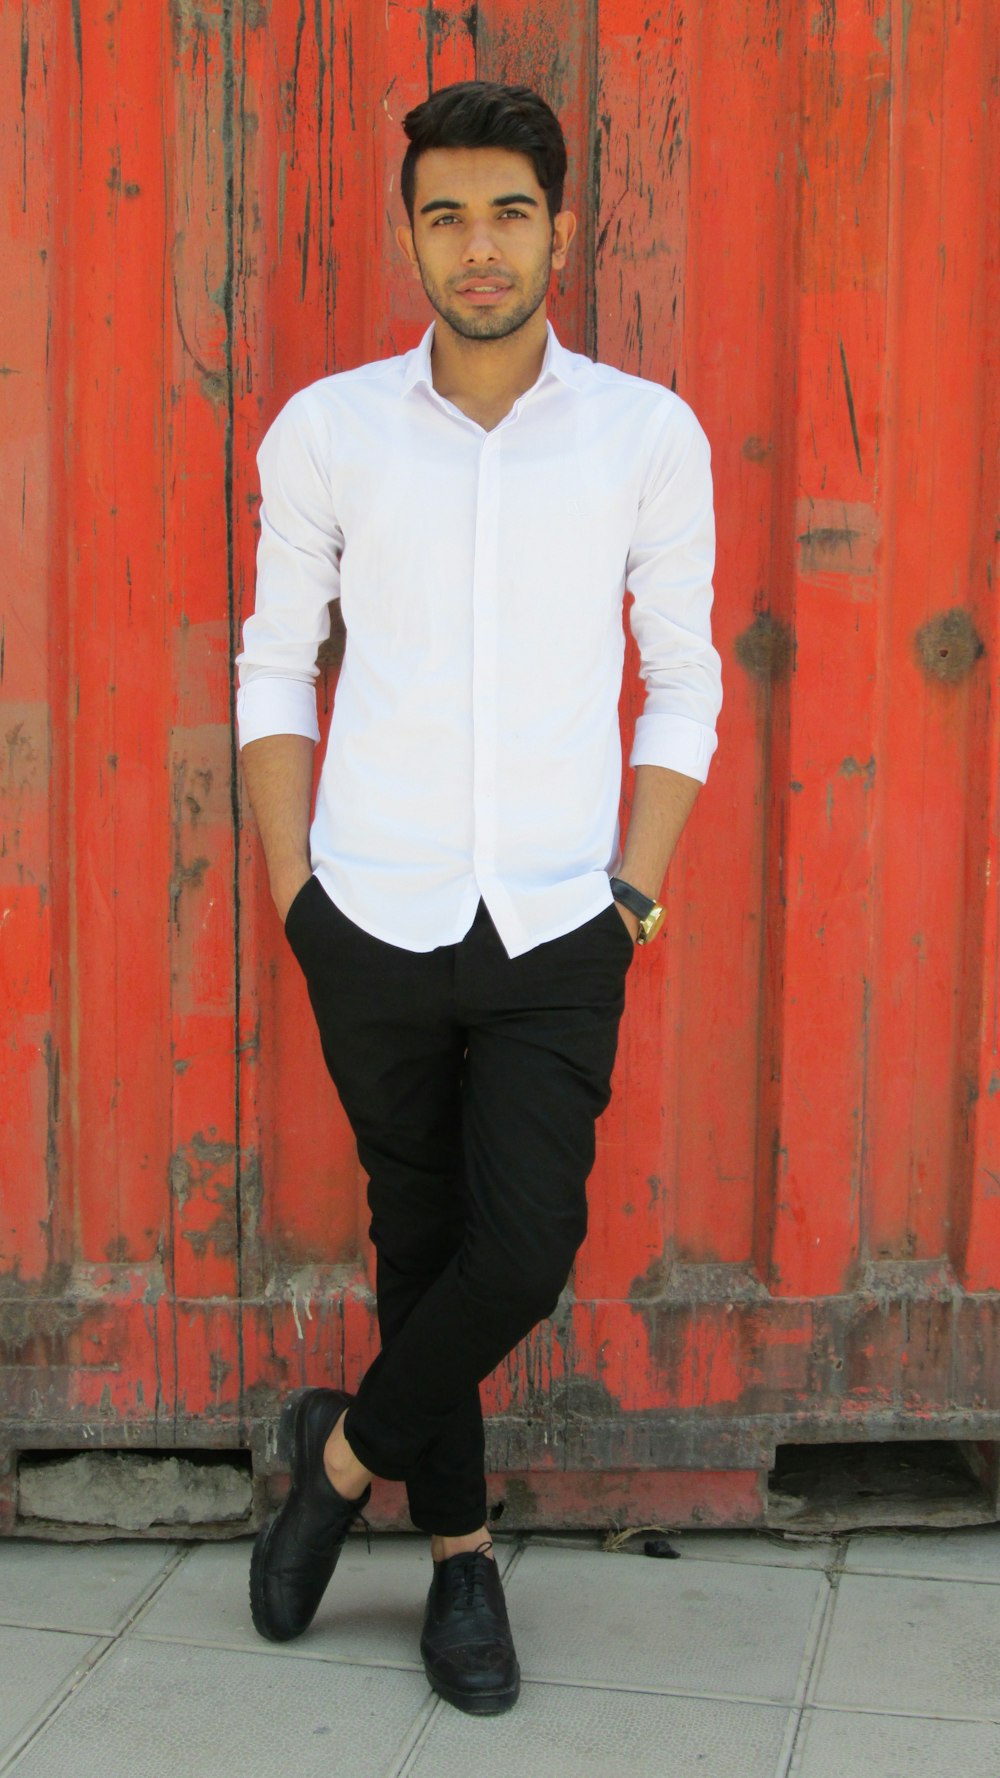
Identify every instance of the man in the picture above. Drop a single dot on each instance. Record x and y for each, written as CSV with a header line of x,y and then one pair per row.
x,y
458,905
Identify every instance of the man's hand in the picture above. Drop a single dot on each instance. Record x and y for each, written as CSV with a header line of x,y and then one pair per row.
x,y
631,921
285,886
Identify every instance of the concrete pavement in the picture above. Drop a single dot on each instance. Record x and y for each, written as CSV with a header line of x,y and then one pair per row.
x,y
868,1655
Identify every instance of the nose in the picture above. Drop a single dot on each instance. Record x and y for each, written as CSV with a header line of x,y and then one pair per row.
x,y
480,247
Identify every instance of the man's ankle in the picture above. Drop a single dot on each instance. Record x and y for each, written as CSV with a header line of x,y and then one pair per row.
x,y
343,1471
443,1547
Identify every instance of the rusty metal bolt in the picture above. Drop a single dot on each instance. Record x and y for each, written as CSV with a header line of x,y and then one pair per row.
x,y
766,649
948,646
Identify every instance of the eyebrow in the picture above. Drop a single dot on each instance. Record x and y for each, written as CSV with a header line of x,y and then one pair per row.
x,y
512,197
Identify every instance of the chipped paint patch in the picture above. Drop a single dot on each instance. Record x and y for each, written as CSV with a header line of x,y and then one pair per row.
x,y
836,536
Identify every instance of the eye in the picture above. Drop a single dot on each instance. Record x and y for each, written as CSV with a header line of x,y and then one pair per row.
x,y
439,219
517,213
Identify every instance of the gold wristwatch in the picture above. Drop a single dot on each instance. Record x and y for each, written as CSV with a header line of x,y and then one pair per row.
x,y
650,914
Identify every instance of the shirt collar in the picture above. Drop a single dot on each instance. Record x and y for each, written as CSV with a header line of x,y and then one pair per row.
x,y
557,362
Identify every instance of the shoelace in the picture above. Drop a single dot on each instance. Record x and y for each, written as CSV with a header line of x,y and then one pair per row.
x,y
467,1575
368,1530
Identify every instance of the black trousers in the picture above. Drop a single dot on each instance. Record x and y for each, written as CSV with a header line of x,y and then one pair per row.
x,y
472,1082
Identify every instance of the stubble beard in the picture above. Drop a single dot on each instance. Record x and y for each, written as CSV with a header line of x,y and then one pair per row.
x,y
487,324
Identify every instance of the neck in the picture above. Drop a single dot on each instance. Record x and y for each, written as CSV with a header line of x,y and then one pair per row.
x,y
487,373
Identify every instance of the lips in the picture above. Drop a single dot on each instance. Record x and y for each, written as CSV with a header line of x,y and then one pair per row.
x,y
482,287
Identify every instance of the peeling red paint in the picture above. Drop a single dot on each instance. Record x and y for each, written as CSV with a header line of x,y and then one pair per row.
x,y
795,1213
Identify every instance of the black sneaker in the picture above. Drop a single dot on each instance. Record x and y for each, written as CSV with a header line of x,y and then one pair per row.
x,y
295,1554
467,1648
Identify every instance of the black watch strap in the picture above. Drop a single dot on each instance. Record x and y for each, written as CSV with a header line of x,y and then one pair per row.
x,y
633,899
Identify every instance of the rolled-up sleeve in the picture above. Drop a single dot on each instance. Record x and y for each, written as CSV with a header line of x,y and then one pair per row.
x,y
298,574
669,574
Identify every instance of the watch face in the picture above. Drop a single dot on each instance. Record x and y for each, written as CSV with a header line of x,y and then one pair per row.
x,y
650,926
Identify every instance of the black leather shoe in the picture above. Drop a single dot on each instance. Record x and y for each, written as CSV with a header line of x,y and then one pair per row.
x,y
467,1648
295,1554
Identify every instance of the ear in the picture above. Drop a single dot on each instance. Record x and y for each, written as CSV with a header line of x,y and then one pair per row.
x,y
563,230
404,237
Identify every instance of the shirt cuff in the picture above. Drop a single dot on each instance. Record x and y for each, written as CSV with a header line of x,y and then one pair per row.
x,y
675,741
276,707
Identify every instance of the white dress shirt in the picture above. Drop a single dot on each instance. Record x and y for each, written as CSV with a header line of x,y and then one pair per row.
x,y
474,747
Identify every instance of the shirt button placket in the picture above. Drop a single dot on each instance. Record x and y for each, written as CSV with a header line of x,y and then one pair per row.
x,y
485,593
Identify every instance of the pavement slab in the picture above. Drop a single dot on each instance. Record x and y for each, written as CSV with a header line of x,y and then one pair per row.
x,y
372,1610
77,1586
557,1731
166,1710
839,1744
706,1628
970,1553
913,1646
35,1665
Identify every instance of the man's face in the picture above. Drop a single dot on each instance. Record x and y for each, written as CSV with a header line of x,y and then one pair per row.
x,y
482,242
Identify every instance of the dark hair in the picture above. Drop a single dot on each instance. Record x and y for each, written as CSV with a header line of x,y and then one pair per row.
x,y
484,114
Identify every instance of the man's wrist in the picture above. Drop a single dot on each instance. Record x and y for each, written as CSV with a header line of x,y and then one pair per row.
x,y
645,910
286,879
639,879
